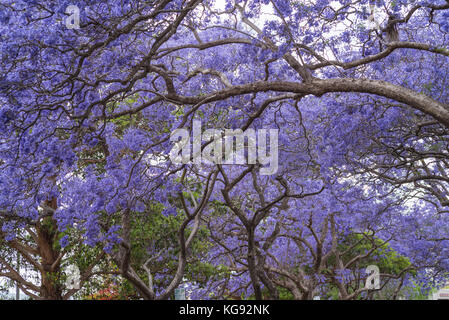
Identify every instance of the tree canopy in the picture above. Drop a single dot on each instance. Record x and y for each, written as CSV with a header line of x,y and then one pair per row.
x,y
358,91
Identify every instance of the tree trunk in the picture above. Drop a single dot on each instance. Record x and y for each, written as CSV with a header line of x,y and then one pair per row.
x,y
47,235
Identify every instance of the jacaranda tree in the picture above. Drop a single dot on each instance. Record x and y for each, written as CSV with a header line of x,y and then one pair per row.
x,y
92,91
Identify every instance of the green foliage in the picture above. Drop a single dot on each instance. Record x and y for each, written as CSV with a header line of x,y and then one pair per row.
x,y
377,253
388,260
